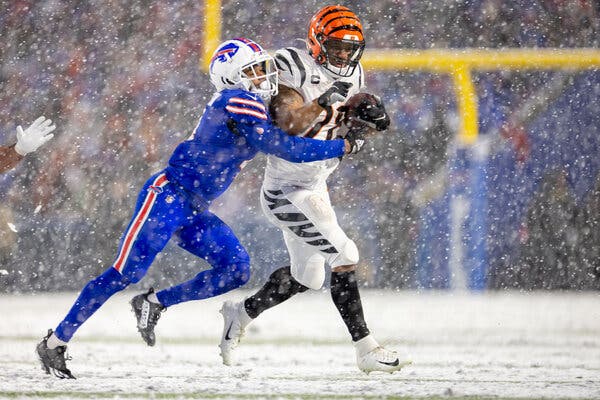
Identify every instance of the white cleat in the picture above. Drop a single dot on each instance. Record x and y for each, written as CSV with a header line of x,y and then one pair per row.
x,y
233,330
381,359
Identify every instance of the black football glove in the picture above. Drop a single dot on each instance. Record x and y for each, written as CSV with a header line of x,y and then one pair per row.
x,y
337,92
356,137
372,114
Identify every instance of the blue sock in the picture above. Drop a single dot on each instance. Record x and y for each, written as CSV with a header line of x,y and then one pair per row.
x,y
93,295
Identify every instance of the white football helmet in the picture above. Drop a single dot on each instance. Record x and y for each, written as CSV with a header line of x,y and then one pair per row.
x,y
237,62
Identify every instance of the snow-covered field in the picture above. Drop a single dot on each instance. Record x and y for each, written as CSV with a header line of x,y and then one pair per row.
x,y
491,345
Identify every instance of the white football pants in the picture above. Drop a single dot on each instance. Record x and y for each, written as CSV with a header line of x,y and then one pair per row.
x,y
310,230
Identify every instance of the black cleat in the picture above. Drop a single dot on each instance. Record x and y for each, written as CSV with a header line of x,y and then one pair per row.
x,y
54,360
147,314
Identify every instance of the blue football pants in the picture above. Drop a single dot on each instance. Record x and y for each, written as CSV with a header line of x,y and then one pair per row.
x,y
163,212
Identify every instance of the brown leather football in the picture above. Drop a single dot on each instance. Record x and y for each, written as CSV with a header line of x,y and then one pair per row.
x,y
357,103
365,109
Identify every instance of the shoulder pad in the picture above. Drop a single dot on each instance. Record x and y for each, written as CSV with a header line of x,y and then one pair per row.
x,y
293,69
242,104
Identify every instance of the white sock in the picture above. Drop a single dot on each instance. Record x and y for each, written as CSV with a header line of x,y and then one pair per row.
x,y
152,298
244,317
53,342
365,345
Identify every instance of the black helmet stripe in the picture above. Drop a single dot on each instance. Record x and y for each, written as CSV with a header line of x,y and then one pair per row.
x,y
346,27
336,18
337,9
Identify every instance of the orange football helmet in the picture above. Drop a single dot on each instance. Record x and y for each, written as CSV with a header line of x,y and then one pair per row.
x,y
335,39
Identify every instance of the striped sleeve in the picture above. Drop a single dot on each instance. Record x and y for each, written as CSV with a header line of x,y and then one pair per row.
x,y
246,108
292,70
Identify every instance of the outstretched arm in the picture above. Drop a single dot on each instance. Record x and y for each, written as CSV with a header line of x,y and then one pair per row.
x,y
271,140
248,118
28,140
9,158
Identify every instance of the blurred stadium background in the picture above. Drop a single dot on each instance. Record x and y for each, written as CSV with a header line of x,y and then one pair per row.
x,y
517,208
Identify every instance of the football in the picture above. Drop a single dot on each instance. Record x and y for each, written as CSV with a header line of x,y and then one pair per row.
x,y
365,109
358,99
358,102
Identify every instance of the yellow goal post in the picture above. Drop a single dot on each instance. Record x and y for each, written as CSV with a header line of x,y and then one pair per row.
x,y
458,63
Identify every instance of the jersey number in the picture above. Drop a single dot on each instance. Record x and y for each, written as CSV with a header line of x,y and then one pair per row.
x,y
329,113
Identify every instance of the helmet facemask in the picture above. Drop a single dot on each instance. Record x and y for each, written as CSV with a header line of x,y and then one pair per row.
x,y
263,70
342,55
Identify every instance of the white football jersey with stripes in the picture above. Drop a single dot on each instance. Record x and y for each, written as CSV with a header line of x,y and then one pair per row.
x,y
299,71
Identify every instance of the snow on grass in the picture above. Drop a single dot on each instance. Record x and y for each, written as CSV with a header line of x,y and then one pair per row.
x,y
487,345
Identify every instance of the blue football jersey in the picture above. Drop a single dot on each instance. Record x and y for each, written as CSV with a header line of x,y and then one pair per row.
x,y
234,127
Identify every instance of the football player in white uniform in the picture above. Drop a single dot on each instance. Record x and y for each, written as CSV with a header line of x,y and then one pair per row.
x,y
314,86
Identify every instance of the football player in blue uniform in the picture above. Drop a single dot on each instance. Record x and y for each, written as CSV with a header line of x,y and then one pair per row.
x,y
175,202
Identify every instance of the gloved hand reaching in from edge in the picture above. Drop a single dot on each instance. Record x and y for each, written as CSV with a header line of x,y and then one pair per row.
x,y
34,136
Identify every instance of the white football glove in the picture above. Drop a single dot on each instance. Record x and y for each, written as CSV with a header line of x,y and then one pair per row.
x,y
37,134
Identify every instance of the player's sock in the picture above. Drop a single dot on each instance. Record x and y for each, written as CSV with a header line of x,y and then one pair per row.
x,y
245,319
280,286
365,345
152,298
346,297
53,342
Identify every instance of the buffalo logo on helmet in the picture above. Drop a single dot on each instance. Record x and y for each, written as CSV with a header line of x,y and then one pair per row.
x,y
225,53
